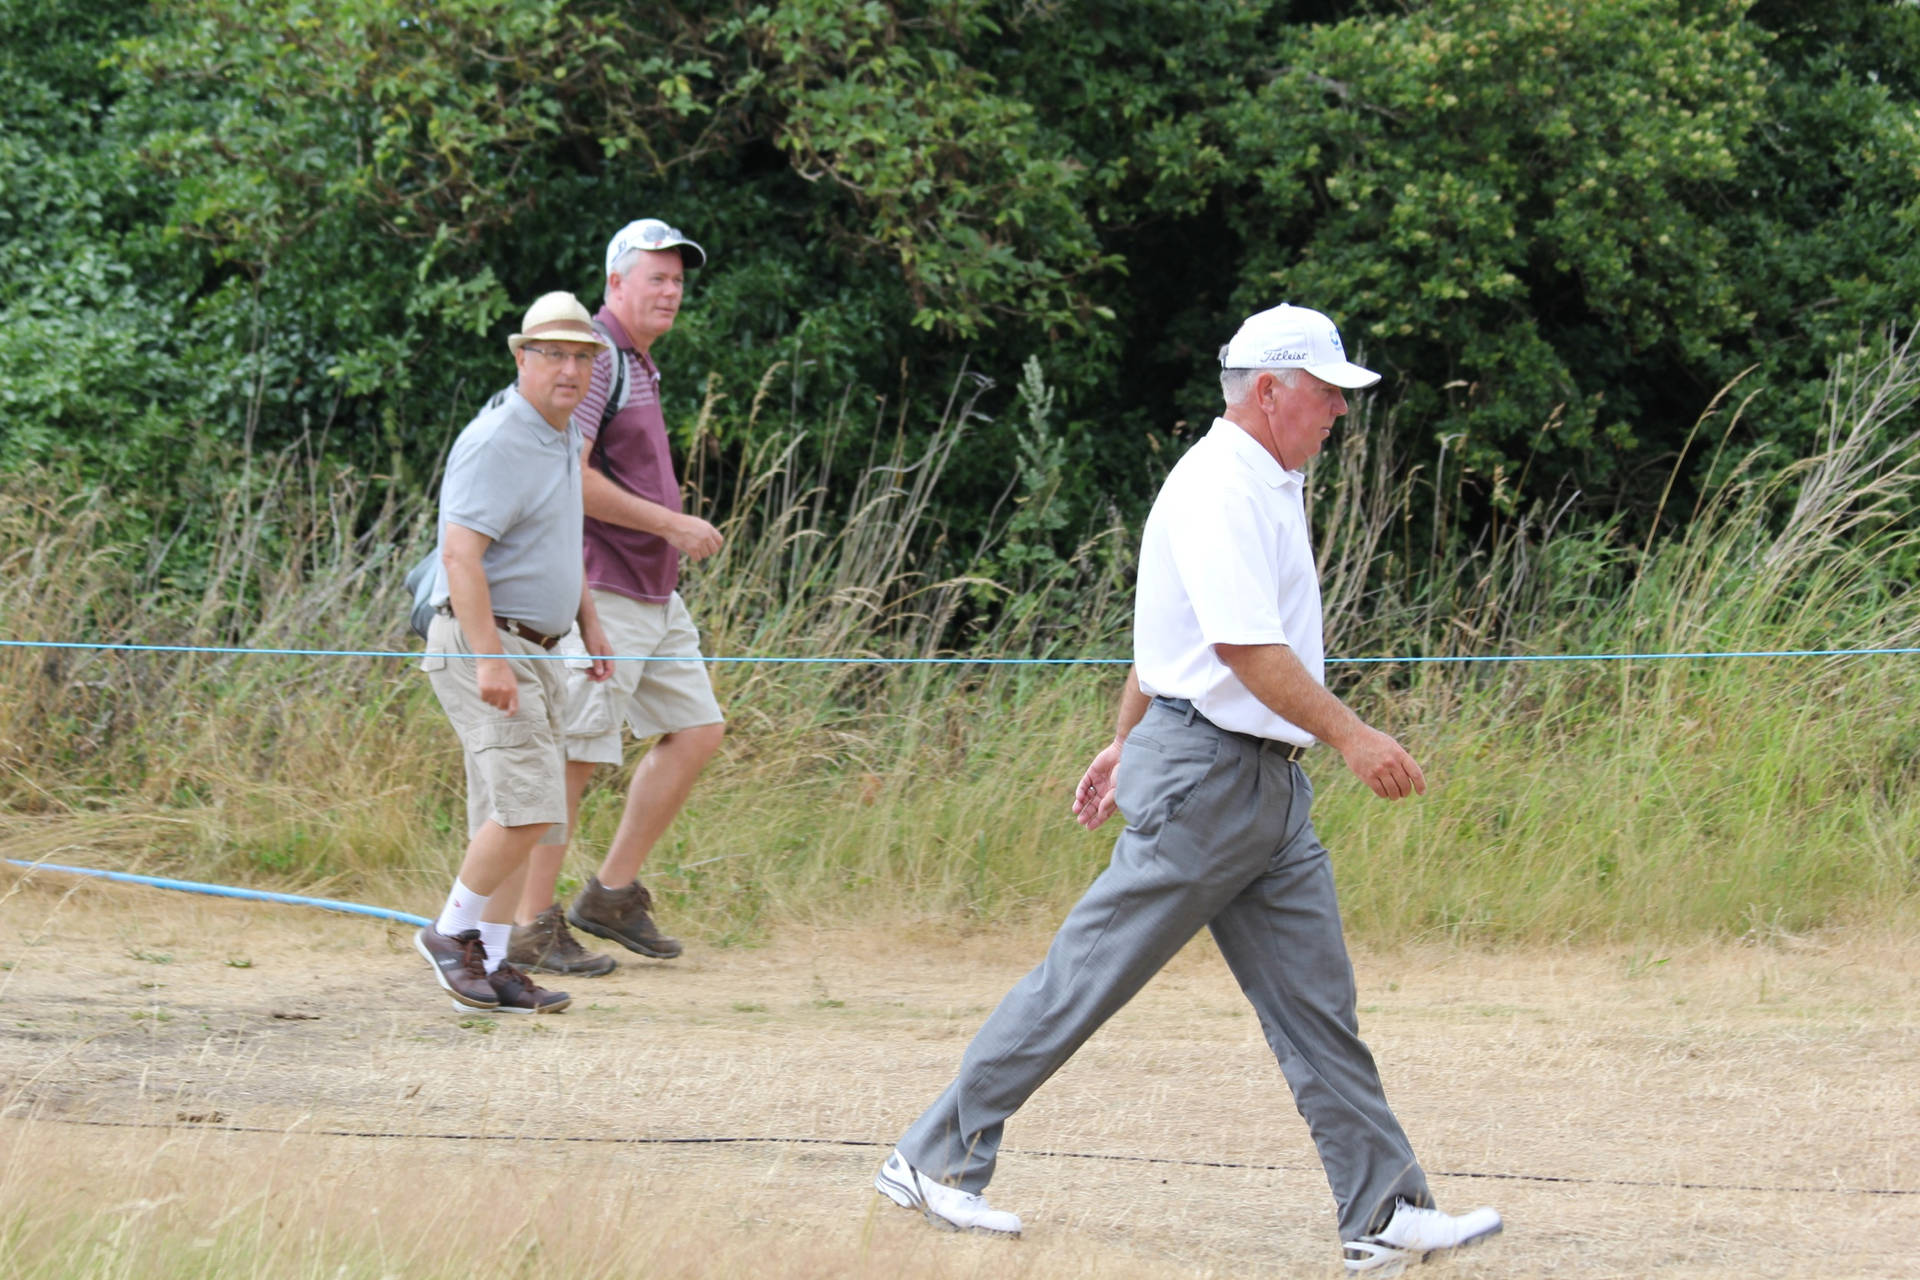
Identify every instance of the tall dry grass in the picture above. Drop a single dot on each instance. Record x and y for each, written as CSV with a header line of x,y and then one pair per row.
x,y
1571,799
187,1205
1749,795
229,764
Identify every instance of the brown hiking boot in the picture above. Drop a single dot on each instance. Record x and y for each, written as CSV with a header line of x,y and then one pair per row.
x,y
620,915
548,946
518,994
460,963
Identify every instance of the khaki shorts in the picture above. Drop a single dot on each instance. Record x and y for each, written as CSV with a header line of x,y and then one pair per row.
x,y
516,765
652,697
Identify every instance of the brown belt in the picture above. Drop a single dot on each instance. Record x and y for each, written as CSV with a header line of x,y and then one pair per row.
x,y
515,627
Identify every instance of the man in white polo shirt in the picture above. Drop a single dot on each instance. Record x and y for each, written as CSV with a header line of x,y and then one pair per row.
x,y
1225,697
635,535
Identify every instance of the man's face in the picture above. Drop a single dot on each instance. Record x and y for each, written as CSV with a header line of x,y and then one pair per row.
x,y
554,376
1301,416
647,298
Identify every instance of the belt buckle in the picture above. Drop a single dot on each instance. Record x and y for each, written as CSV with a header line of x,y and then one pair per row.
x,y
513,626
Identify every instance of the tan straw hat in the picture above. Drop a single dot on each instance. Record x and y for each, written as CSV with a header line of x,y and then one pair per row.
x,y
558,316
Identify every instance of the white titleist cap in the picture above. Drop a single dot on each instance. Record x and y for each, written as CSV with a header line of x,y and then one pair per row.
x,y
1286,337
651,233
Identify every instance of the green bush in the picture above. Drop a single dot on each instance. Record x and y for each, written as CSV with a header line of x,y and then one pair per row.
x,y
1559,228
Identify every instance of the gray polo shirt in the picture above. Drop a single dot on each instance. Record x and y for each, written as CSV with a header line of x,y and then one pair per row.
x,y
515,479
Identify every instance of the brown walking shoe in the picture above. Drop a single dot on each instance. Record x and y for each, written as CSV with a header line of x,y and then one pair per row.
x,y
620,915
548,946
518,994
460,963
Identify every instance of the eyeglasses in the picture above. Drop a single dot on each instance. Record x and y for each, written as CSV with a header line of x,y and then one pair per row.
x,y
583,359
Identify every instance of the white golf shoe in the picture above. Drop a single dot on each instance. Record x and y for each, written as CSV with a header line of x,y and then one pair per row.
x,y
1413,1235
943,1206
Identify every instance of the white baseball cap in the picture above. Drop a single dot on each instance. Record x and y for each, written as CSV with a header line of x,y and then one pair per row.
x,y
1287,337
558,316
650,234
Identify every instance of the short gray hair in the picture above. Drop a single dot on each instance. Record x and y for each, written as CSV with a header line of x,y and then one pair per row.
x,y
624,263
1237,384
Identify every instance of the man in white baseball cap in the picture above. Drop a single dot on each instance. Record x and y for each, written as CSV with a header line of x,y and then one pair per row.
x,y
1224,705
635,534
1289,367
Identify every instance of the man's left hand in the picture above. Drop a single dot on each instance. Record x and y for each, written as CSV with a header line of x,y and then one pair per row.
x,y
693,537
1094,800
595,639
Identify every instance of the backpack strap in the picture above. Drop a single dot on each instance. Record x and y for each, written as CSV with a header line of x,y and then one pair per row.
x,y
617,389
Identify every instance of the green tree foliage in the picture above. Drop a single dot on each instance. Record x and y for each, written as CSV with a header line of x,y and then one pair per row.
x,y
1516,202
1559,226
952,180
86,293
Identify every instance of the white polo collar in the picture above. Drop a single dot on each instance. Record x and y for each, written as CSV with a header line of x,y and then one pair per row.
x,y
1255,458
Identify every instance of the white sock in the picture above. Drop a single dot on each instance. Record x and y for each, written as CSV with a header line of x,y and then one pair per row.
x,y
496,938
462,911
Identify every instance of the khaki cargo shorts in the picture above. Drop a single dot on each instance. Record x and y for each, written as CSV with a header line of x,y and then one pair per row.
x,y
516,765
653,697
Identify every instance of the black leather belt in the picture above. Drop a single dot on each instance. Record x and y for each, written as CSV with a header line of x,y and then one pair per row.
x,y
1288,751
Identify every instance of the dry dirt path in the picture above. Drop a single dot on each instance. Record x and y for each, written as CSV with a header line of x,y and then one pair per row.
x,y
285,1092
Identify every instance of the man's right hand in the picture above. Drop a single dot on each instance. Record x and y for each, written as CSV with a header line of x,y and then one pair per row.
x,y
498,688
693,537
1094,800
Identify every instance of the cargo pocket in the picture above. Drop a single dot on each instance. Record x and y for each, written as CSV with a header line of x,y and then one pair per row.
x,y
501,731
503,753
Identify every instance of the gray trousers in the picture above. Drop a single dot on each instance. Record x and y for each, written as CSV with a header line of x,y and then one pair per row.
x,y
1220,835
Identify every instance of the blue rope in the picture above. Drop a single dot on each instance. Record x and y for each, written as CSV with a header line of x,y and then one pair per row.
x,y
227,891
537,657
952,662
1644,657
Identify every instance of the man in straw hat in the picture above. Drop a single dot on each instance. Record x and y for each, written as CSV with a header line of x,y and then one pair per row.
x,y
512,583
1225,698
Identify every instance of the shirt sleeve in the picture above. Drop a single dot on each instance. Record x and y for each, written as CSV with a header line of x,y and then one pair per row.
x,y
476,494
